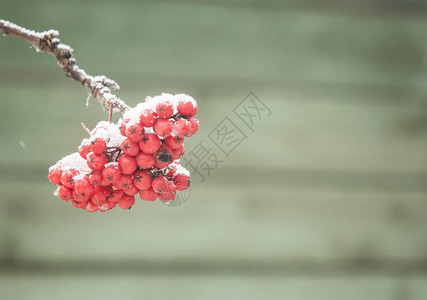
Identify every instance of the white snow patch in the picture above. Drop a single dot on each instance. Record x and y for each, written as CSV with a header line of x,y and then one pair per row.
x,y
109,132
72,161
150,103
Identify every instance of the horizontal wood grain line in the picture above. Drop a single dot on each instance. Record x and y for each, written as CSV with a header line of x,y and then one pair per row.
x,y
362,8
287,177
214,267
380,93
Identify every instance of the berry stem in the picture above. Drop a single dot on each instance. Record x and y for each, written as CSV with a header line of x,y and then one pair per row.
x,y
111,113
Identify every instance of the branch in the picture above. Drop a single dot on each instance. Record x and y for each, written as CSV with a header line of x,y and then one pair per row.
x,y
48,42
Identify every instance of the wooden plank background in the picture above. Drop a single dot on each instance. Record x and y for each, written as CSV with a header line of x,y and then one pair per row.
x,y
326,199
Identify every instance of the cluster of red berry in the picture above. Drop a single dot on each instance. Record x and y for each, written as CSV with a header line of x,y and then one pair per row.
x,y
140,154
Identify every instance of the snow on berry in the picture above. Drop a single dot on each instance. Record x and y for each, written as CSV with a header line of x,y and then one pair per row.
x,y
139,154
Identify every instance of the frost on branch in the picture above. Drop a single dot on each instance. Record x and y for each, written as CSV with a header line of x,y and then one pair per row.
x,y
140,154
47,41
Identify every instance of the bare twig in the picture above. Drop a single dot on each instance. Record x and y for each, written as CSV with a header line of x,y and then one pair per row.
x,y
85,128
48,42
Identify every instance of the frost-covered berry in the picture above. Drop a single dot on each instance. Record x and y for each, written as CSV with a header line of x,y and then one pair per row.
x,y
148,195
182,127
194,125
181,181
91,207
123,127
129,148
98,146
111,173
170,172
127,164
67,178
103,207
145,161
96,162
65,193
148,118
135,132
142,180
126,201
164,110
150,143
83,189
174,142
54,176
163,128
185,108
84,148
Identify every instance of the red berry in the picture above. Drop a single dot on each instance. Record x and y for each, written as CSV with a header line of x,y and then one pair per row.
x,y
103,207
163,127
65,194
79,204
115,196
148,118
150,143
160,185
125,182
194,111
170,194
111,173
84,148
178,153
174,142
135,132
100,195
142,180
145,161
164,110
96,162
54,176
160,165
83,190
123,127
127,164
67,178
95,178
194,125
181,181
126,201
133,190
129,148
185,108
171,170
148,195
98,146
182,127
91,207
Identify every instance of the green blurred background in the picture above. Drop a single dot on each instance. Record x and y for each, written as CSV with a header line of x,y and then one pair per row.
x,y
326,199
